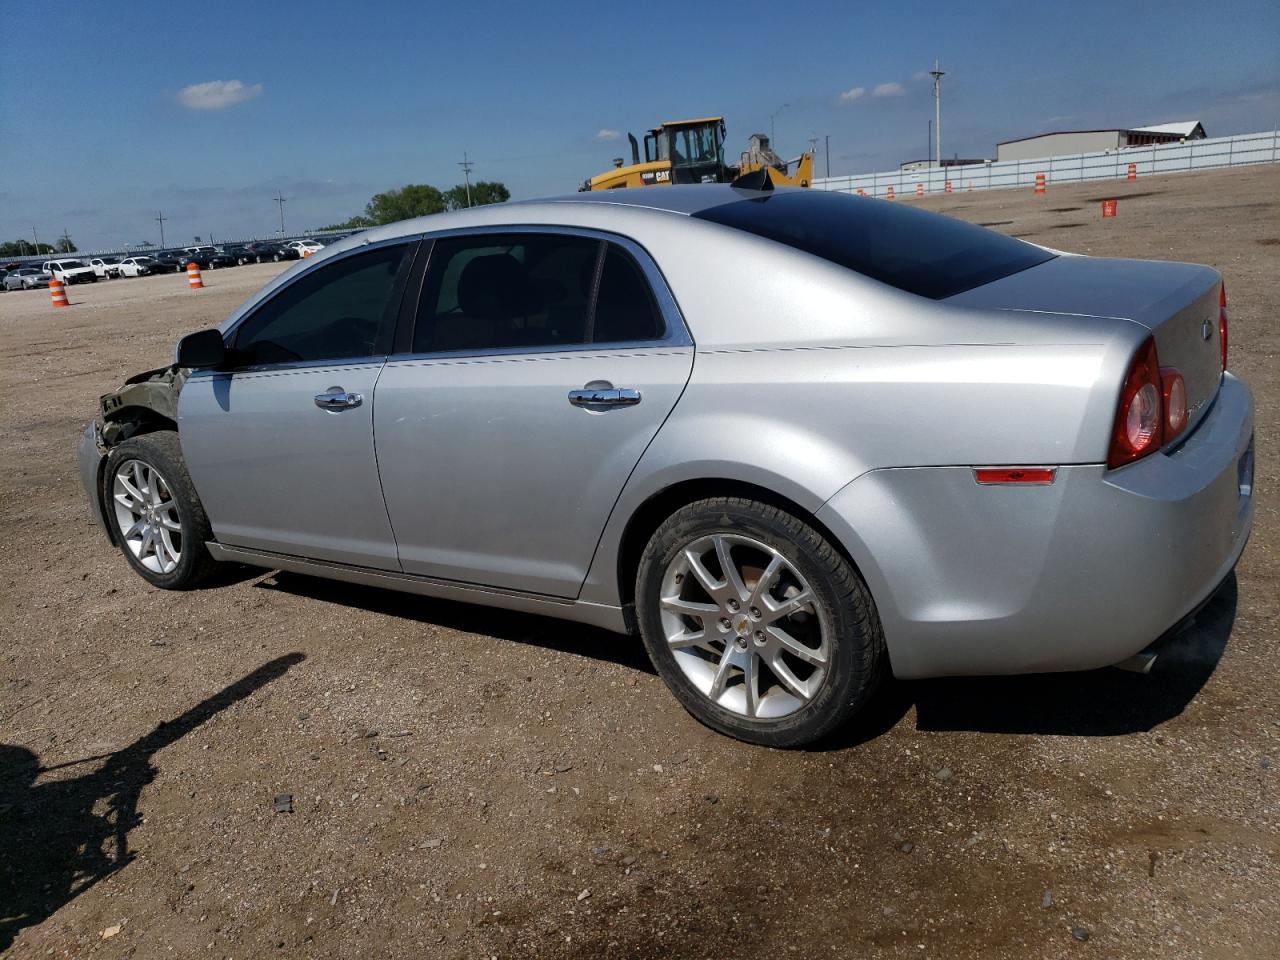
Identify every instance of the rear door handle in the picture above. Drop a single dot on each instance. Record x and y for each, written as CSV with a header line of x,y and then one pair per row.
x,y
607,397
335,398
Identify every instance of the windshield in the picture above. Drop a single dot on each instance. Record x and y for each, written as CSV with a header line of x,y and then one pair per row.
x,y
690,145
69,264
920,252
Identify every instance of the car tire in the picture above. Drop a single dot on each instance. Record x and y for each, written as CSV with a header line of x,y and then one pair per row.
x,y
832,621
275,257
148,497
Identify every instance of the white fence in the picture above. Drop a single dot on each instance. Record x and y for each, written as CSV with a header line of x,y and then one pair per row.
x,y
1246,148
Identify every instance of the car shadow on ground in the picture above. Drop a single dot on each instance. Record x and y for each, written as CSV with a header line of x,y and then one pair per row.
x,y
61,837
1093,703
560,635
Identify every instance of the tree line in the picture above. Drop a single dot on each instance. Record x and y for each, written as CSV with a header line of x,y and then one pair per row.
x,y
26,248
420,200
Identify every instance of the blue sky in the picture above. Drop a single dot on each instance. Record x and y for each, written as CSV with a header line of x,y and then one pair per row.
x,y
331,102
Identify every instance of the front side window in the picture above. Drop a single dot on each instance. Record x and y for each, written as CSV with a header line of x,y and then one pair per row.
x,y
341,311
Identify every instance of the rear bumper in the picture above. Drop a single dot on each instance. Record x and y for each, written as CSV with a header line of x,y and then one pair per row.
x,y
1078,574
89,456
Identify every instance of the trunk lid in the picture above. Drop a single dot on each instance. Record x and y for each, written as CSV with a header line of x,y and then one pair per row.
x,y
1177,302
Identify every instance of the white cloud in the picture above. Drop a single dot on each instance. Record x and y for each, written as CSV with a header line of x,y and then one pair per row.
x,y
607,134
851,95
217,94
888,90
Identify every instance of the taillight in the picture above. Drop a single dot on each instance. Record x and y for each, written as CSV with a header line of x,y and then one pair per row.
x,y
1139,426
1174,391
1222,324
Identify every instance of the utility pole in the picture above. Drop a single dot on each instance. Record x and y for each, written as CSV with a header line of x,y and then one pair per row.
x,y
937,75
928,144
66,239
160,219
36,239
827,150
466,166
281,200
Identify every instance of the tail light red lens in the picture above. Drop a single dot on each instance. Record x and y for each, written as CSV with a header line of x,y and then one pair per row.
x,y
1175,402
1222,324
1139,426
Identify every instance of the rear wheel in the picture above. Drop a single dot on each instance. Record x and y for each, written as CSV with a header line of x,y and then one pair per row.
x,y
760,627
159,521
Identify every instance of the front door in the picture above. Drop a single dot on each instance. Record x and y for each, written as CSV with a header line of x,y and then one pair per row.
x,y
280,446
542,367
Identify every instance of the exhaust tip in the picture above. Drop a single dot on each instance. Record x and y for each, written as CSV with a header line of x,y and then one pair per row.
x,y
1138,663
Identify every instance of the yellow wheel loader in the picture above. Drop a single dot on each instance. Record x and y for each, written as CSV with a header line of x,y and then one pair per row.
x,y
692,151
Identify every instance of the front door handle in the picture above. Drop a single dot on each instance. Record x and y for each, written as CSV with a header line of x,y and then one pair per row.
x,y
606,397
335,398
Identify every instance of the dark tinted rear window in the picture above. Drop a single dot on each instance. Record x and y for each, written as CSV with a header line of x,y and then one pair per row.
x,y
920,252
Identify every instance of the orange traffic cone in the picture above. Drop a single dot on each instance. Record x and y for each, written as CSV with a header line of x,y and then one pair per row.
x,y
889,194
861,192
193,276
1133,172
58,293
1040,185
947,187
919,189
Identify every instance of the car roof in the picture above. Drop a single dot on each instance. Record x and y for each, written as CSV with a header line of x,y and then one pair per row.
x,y
681,201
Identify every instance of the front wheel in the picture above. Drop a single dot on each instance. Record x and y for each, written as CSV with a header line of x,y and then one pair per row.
x,y
159,521
762,629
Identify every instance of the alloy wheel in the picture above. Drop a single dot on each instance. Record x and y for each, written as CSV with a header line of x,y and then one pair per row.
x,y
147,518
744,626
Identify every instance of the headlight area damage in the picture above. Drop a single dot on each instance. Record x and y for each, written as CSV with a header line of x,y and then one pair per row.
x,y
147,401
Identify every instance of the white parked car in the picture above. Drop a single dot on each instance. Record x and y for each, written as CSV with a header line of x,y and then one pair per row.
x,y
305,248
69,271
105,267
136,266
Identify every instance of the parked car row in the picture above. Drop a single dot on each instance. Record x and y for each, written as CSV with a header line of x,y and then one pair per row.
x,y
206,257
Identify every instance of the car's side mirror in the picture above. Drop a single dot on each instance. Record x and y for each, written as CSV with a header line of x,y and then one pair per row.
x,y
202,350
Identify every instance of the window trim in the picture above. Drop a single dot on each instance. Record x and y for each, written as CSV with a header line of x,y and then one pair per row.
x,y
676,332
398,290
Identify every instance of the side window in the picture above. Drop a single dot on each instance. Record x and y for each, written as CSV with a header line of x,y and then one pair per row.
x,y
515,291
343,310
625,307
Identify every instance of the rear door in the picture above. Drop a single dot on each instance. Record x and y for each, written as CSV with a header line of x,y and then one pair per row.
x,y
280,446
541,365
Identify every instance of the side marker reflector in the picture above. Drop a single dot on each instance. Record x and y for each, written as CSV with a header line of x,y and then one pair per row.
x,y
1000,475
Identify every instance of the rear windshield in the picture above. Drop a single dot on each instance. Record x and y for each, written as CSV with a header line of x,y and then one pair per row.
x,y
920,252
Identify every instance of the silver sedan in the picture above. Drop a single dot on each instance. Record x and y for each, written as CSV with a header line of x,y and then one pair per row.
x,y
796,440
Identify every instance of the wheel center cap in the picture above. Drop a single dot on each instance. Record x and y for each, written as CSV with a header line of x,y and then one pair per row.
x,y
741,624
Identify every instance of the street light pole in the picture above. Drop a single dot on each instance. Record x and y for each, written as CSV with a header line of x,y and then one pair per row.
x,y
771,116
827,150
937,75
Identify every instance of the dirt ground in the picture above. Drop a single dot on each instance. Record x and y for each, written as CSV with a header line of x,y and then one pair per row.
x,y
471,783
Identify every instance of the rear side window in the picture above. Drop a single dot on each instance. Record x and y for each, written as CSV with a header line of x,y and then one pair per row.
x,y
913,250
343,310
625,308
